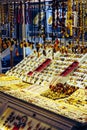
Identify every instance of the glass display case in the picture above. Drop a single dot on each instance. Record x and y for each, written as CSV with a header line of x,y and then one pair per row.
x,y
39,85
18,114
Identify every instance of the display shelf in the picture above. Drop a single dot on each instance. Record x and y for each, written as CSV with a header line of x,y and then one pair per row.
x,y
43,78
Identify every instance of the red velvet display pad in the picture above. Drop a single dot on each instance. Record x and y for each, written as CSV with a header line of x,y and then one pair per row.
x,y
70,68
41,67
